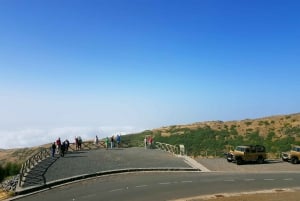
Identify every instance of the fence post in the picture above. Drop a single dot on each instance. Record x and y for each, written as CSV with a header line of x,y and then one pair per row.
x,y
31,162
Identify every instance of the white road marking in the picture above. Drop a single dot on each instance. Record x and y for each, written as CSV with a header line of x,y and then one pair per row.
x,y
166,183
141,186
269,179
288,179
119,189
193,163
249,179
186,181
87,196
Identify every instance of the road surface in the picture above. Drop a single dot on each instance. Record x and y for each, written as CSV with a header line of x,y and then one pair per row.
x,y
166,186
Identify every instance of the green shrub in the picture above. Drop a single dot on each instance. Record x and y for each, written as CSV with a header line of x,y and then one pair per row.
x,y
248,123
9,169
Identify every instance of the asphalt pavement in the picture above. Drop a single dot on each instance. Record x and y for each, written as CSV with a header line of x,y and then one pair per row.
x,y
90,162
148,186
101,160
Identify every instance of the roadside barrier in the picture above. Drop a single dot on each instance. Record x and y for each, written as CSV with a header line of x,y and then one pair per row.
x,y
46,152
175,149
31,162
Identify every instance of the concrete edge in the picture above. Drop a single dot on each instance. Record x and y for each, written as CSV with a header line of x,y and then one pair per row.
x,y
49,185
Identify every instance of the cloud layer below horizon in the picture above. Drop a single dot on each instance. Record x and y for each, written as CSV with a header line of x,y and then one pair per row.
x,y
29,137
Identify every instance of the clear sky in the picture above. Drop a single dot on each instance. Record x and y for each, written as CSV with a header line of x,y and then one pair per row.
x,y
82,67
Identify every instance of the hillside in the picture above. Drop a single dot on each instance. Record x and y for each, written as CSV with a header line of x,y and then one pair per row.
x,y
277,133
214,138
281,125
18,155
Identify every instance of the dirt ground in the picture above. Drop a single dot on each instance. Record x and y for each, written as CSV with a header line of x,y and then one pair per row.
x,y
272,195
4,195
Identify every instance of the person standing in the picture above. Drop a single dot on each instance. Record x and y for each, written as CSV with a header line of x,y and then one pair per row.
x,y
106,142
58,144
96,140
150,142
76,143
118,140
79,142
67,145
63,149
53,147
112,141
145,142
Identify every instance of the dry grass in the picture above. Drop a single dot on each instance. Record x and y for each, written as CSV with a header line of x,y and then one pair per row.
x,y
262,125
19,155
4,195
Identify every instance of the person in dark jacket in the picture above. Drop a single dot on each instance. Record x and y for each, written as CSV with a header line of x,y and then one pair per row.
x,y
53,147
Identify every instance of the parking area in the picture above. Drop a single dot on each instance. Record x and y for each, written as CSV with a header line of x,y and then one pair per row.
x,y
221,164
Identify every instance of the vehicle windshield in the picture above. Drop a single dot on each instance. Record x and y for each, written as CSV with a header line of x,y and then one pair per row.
x,y
240,148
296,149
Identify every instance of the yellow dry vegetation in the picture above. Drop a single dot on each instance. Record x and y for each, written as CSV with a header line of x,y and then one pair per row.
x,y
262,125
4,195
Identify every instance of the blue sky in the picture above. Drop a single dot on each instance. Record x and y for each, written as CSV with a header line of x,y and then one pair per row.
x,y
79,67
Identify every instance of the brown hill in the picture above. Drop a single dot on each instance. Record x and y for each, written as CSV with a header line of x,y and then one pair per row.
x,y
280,125
18,155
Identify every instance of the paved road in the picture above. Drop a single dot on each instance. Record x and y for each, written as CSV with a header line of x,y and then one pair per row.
x,y
88,162
166,186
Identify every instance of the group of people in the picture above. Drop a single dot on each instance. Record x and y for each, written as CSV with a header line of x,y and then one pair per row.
x,y
113,141
78,143
60,147
148,142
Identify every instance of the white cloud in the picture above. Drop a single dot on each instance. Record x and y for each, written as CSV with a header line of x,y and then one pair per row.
x,y
36,136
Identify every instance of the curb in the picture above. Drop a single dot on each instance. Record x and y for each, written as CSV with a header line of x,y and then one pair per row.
x,y
55,183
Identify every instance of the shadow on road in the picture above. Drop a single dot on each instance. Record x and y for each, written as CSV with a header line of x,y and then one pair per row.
x,y
36,176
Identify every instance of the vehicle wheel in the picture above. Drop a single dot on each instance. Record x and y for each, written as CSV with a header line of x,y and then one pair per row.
x,y
260,160
294,160
239,161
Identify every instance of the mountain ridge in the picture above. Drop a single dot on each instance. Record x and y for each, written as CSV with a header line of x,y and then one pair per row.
x,y
275,123
280,125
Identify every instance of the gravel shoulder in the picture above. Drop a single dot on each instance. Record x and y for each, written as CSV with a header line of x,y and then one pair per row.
x,y
292,195
271,165
221,164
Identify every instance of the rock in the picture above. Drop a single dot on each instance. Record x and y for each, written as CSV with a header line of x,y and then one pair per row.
x,y
10,184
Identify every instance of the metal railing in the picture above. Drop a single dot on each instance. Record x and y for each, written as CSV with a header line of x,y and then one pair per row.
x,y
88,145
174,149
31,162
45,153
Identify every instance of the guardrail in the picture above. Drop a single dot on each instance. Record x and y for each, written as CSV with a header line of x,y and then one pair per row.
x,y
45,153
88,145
31,162
175,149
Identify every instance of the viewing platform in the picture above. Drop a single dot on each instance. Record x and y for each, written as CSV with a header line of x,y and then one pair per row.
x,y
81,164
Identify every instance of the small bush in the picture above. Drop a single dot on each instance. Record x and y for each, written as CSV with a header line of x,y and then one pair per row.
x,y
9,169
248,123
